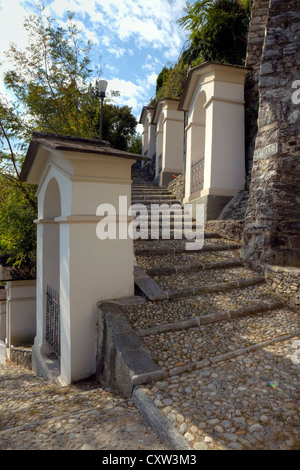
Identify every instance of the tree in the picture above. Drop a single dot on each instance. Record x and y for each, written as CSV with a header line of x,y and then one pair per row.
x,y
54,86
17,230
119,126
135,144
171,81
218,31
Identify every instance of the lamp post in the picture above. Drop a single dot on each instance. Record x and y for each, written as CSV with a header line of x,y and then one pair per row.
x,y
102,89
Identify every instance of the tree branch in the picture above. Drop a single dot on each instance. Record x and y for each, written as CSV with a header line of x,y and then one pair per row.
x,y
12,178
10,149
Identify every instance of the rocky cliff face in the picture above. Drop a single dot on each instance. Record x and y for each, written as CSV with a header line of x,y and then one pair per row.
x,y
273,216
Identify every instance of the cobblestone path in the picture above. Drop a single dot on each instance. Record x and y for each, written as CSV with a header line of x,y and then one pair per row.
x,y
36,415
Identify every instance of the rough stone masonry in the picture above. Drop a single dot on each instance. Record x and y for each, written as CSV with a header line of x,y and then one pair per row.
x,y
272,226
256,39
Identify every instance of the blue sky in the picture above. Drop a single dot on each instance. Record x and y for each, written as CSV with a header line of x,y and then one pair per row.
x,y
136,38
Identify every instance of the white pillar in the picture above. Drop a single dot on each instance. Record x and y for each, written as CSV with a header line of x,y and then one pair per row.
x,y
75,177
224,147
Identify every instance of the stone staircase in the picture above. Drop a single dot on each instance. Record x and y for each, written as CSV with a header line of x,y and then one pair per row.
x,y
223,339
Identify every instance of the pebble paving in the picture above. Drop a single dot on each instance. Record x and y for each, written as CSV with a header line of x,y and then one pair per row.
x,y
36,415
184,259
251,402
233,384
228,385
202,278
178,348
162,312
177,244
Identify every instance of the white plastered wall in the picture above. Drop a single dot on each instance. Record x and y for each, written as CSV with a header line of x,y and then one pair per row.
x,y
217,124
89,269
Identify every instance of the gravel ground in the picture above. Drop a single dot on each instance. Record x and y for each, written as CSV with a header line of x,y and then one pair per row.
x,y
36,415
249,402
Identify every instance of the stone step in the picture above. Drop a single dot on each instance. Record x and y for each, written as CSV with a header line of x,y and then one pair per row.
x,y
179,261
235,400
146,196
182,249
222,273
156,200
207,236
144,187
154,289
163,213
149,190
141,181
214,287
210,306
185,269
138,182
198,346
164,224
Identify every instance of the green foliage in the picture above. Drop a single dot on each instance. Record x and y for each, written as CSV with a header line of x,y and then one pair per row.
x,y
196,16
55,90
171,81
17,230
50,78
119,126
218,31
162,77
52,83
135,144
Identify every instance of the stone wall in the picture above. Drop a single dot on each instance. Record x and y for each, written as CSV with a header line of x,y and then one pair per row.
x,y
236,208
123,362
21,356
285,282
272,227
229,229
255,45
177,187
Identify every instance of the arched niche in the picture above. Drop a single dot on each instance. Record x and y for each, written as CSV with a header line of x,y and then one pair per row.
x,y
48,254
169,140
145,137
51,243
159,143
196,131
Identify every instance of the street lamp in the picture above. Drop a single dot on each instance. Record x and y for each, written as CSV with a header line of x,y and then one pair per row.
x,y
102,89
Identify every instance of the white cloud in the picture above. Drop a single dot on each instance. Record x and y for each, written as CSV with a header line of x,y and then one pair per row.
x,y
111,68
12,17
118,52
132,94
136,35
147,22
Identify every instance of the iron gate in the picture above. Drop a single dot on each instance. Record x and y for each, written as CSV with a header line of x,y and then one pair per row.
x,y
53,320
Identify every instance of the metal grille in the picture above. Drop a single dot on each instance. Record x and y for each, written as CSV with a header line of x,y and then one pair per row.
x,y
197,175
159,163
53,320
